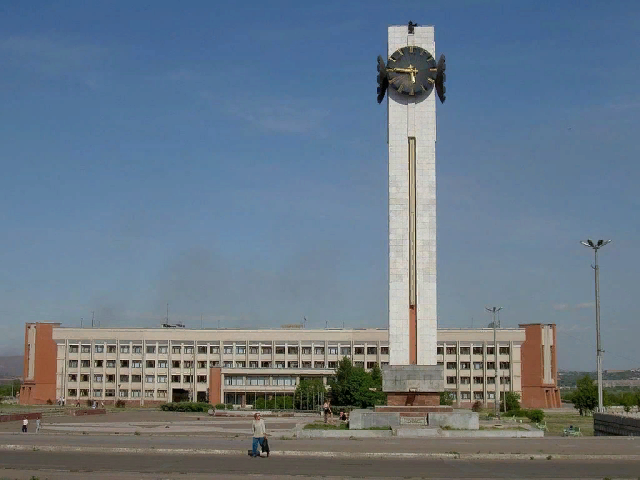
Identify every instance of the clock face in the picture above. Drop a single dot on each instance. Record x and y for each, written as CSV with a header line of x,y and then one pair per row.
x,y
412,71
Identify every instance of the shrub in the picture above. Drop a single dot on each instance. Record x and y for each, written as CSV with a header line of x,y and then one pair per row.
x,y
516,413
220,406
477,406
89,403
535,415
49,402
120,403
229,406
186,407
446,398
513,401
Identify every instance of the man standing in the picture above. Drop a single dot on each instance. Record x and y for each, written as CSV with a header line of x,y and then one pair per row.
x,y
25,423
259,434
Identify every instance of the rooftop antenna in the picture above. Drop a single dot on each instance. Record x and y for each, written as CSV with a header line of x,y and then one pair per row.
x,y
326,324
201,322
167,313
81,319
305,322
92,317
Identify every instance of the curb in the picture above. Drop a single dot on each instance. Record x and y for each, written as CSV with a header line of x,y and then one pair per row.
x,y
300,453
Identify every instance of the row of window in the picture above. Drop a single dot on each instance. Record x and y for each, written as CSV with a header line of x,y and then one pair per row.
x,y
240,350
478,380
235,380
212,364
99,378
476,350
477,365
110,392
476,395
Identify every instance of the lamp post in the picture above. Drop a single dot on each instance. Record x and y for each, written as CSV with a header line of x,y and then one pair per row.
x,y
494,311
596,246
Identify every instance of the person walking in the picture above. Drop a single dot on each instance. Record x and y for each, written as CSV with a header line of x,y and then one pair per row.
x,y
25,424
327,410
38,425
259,435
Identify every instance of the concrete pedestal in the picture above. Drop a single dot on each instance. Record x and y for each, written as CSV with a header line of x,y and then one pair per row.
x,y
413,385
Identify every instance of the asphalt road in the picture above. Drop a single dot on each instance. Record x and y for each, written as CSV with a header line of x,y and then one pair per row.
x,y
112,465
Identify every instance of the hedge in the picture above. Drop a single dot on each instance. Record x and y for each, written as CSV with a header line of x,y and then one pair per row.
x,y
186,407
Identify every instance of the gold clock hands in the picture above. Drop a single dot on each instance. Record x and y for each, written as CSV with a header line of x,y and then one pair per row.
x,y
411,70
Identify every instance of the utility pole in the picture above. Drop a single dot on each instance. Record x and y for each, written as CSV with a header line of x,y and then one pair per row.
x,y
496,403
599,351
93,314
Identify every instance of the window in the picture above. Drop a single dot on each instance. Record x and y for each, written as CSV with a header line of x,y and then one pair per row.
x,y
266,350
109,392
98,378
451,350
202,364
137,349
306,364
228,364
477,350
440,351
258,380
465,350
359,350
229,350
150,364
176,349
202,349
233,380
175,363
97,363
135,393
452,365
333,364
187,378
293,364
465,365
111,364
279,350
162,379
504,350
163,349
491,365
73,377
284,380
73,348
149,378
136,364
73,363
359,364
253,364
187,364
294,350
85,363
84,378
124,363
136,378
279,364
371,364
490,350
97,393
451,380
86,348
266,364
454,395
253,350
124,348
477,365
111,378
214,363
491,395
478,396
124,378
175,378
465,380
162,364
84,392
319,350
372,350
306,350
188,350
478,380
491,380
384,350
215,349
505,380
148,393
505,365
320,364
465,395
162,394
241,364
111,349
72,392
151,349
202,379
99,348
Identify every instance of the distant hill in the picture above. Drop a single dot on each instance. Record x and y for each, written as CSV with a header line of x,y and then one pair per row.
x,y
11,366
569,379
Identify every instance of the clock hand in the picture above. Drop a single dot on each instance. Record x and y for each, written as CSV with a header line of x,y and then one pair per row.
x,y
411,71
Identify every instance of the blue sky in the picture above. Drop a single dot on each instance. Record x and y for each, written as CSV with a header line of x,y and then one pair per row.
x,y
231,161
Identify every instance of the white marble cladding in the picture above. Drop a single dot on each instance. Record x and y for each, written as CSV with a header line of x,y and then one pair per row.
x,y
411,118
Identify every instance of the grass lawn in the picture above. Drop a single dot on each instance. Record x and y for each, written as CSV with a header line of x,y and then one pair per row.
x,y
325,426
556,422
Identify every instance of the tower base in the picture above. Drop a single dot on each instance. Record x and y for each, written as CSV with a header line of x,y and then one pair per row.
x,y
413,385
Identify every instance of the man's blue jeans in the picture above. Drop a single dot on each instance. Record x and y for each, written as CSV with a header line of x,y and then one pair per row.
x,y
256,441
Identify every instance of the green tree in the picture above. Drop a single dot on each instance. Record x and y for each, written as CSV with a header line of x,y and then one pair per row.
x,y
446,398
513,401
310,392
353,386
585,398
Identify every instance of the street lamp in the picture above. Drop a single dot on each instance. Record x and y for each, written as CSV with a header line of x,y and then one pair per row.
x,y
494,311
596,246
